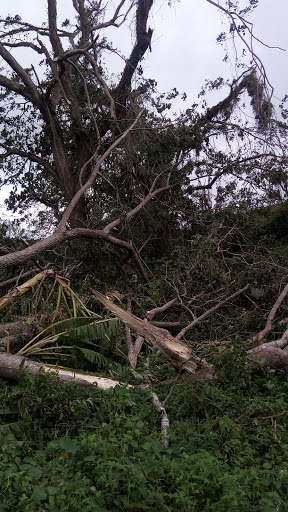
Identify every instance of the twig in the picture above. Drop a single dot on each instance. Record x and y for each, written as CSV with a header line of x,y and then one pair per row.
x,y
166,325
209,312
160,309
172,387
274,415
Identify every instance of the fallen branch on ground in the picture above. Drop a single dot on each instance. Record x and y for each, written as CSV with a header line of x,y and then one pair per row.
x,y
268,327
180,355
210,311
12,367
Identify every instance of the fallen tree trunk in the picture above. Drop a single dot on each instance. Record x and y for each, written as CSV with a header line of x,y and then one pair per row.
x,y
180,355
12,367
183,357
275,353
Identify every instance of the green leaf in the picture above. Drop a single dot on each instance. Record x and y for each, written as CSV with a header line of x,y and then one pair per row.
x,y
35,473
51,490
89,458
69,445
93,356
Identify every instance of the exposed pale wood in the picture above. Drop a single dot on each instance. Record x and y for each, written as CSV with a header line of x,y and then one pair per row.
x,y
17,291
180,355
12,367
133,348
165,424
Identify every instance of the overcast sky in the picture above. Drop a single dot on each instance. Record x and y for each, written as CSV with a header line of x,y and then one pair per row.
x,y
184,49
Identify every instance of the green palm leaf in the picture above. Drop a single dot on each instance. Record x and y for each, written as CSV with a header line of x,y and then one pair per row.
x,y
83,329
94,357
73,331
15,428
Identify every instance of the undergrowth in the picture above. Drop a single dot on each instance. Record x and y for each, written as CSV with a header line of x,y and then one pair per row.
x,y
67,449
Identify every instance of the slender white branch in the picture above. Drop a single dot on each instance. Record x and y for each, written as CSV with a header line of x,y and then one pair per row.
x,y
165,424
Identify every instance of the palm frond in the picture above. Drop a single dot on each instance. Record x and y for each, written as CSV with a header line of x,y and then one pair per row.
x,y
71,331
94,357
82,329
15,428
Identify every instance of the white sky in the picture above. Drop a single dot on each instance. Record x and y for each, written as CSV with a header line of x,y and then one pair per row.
x,y
184,49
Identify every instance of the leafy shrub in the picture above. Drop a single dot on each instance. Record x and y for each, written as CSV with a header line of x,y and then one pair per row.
x,y
79,450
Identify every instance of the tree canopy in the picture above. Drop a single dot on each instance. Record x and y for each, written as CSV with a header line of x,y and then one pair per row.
x,y
100,152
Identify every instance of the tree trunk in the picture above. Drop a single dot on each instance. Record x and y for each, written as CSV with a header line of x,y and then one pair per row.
x,y
12,367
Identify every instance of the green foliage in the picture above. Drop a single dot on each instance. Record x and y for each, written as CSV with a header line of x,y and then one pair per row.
x,y
231,364
85,329
84,335
101,451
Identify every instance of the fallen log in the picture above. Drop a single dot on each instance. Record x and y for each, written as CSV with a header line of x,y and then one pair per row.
x,y
275,353
13,367
178,354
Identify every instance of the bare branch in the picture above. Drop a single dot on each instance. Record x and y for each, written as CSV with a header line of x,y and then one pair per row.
x,y
137,208
133,348
6,83
164,419
116,15
268,327
72,53
232,15
150,314
210,311
53,31
143,42
28,27
166,325
94,173
24,44
103,83
32,90
30,156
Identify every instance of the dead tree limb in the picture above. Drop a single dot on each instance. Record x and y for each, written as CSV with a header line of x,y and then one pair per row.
x,y
210,311
180,355
274,353
161,309
133,348
268,327
12,367
165,424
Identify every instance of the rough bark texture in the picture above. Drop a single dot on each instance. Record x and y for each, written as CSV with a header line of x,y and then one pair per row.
x,y
274,353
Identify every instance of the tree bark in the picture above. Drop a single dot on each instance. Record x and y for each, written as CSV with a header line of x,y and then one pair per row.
x,y
12,367
180,355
